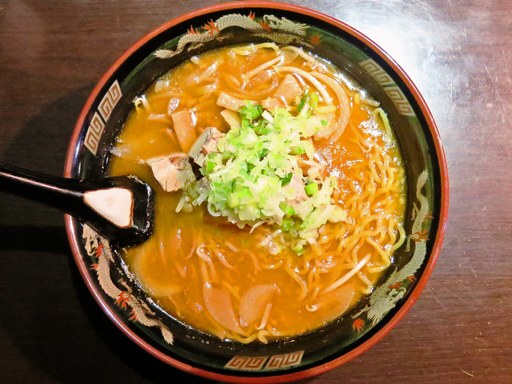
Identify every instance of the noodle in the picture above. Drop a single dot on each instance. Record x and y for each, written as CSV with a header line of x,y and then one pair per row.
x,y
347,276
298,280
367,282
202,254
265,317
222,258
232,247
194,246
262,67
344,106
320,88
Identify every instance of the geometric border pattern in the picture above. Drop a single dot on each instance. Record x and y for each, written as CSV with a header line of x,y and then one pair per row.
x,y
105,108
256,363
94,132
400,101
377,72
246,363
284,361
110,100
392,90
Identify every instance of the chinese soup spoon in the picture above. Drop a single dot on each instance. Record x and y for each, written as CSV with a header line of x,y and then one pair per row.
x,y
120,208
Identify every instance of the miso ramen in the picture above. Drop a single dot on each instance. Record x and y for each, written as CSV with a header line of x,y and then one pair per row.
x,y
280,191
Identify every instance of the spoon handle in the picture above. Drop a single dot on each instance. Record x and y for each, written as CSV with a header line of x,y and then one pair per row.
x,y
58,192
120,208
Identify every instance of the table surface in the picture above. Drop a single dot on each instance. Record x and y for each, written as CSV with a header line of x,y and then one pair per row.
x,y
457,52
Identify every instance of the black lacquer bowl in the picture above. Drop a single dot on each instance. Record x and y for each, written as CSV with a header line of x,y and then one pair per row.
x,y
138,316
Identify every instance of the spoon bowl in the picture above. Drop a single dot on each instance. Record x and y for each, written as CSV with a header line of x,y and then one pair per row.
x,y
120,208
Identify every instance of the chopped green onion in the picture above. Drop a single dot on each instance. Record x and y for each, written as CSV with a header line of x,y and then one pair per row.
x,y
287,209
286,180
250,111
298,246
313,100
233,200
311,189
287,225
303,100
249,176
208,166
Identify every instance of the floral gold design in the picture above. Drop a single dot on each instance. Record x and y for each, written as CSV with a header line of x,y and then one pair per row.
x,y
358,325
419,236
396,285
192,31
279,30
99,249
386,296
265,26
211,28
122,300
133,315
315,39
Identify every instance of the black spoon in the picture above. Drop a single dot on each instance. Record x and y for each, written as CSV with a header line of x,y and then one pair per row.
x,y
120,208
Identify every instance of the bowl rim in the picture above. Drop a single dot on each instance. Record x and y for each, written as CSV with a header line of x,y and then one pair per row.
x,y
408,302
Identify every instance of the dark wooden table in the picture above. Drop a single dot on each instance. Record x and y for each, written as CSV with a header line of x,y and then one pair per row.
x,y
458,52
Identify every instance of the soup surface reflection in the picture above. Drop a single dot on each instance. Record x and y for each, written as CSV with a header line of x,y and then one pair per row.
x,y
254,274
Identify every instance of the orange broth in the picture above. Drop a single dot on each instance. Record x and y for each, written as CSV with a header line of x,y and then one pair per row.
x,y
371,187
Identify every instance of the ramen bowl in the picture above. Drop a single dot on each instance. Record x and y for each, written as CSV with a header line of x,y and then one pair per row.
x,y
116,289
